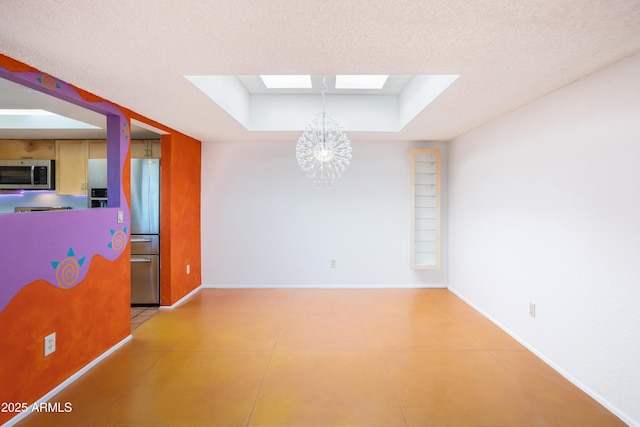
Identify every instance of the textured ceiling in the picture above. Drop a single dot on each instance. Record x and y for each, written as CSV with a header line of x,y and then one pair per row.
x,y
136,53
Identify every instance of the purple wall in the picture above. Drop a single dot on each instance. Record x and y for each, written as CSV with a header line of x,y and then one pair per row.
x,y
59,246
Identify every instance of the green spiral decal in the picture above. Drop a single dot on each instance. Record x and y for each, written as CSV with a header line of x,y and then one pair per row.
x,y
118,239
68,270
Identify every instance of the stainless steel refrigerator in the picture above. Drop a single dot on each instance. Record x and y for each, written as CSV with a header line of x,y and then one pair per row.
x,y
145,231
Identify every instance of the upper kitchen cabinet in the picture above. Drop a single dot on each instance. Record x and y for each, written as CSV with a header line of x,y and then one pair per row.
x,y
140,149
97,149
71,167
149,148
37,149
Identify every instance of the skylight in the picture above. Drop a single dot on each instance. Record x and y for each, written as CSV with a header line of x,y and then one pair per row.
x,y
361,81
286,82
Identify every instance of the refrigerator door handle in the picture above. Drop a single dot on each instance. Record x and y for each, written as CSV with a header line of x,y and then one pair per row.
x,y
140,259
140,240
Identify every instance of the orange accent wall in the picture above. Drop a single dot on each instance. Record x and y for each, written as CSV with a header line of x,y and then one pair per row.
x,y
180,217
88,319
93,316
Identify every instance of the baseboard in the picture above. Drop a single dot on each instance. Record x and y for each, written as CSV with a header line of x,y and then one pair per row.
x,y
613,409
65,383
181,300
327,286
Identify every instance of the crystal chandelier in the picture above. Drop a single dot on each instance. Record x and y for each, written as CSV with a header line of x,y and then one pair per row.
x,y
323,150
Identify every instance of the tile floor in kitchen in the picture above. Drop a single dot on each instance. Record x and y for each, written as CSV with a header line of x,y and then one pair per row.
x,y
139,315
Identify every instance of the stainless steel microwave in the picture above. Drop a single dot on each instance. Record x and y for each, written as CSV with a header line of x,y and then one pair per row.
x,y
27,174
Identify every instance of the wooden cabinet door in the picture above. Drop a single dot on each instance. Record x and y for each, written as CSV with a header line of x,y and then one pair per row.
x,y
39,149
141,149
155,149
71,167
97,149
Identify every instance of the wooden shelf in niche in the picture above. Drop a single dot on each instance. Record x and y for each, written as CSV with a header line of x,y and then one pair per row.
x,y
425,208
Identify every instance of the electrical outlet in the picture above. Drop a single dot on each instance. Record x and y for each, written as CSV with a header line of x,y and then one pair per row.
x,y
49,344
332,263
532,309
188,268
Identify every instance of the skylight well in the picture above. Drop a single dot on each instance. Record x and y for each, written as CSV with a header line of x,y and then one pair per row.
x,y
362,103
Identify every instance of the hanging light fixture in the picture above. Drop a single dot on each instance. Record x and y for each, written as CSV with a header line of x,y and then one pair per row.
x,y
323,151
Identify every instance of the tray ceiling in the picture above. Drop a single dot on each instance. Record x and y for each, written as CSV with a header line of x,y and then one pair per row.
x,y
137,54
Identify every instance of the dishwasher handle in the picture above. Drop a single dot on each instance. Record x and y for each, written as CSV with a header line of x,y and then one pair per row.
x,y
140,259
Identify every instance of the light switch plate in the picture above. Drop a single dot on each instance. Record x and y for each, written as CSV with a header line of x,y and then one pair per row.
x,y
120,217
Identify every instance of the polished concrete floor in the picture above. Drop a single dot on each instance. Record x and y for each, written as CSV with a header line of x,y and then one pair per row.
x,y
322,358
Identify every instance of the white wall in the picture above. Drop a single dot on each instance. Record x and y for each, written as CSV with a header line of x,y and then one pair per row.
x,y
265,224
545,208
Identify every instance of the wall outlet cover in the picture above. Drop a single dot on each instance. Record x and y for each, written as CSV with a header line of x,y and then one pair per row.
x,y
49,344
